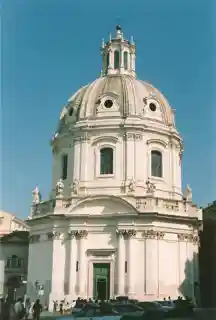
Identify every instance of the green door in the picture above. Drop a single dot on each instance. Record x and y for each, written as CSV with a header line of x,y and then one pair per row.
x,y
101,281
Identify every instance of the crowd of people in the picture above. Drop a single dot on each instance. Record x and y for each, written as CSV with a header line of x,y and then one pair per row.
x,y
20,309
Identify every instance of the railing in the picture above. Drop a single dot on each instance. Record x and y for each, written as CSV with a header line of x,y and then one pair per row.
x,y
166,206
43,208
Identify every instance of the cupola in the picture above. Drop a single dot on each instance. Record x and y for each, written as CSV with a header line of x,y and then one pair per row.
x,y
118,55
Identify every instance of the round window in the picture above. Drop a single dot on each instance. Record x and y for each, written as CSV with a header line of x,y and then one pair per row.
x,y
152,106
108,103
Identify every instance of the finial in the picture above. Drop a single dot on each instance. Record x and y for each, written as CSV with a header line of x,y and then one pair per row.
x,y
119,33
102,45
110,37
132,40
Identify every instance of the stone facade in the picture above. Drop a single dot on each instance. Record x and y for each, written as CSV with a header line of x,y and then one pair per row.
x,y
116,198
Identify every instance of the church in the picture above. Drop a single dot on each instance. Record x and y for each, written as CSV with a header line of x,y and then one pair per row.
x,y
117,221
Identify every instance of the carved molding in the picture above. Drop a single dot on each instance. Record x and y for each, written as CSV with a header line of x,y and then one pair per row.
x,y
152,234
193,238
77,234
126,233
34,238
58,235
157,141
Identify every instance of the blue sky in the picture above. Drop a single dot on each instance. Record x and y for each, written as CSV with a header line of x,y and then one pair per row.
x,y
51,48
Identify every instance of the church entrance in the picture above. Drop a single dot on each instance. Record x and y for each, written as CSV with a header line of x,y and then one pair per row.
x,y
101,278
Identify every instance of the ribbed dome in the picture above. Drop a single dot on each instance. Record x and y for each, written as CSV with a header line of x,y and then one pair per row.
x,y
132,98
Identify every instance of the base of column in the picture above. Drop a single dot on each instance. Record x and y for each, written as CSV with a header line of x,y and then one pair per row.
x,y
131,295
55,297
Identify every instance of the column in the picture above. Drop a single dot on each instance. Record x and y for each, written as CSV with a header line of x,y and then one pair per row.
x,y
73,263
58,266
121,263
151,262
130,156
82,279
131,262
77,162
84,158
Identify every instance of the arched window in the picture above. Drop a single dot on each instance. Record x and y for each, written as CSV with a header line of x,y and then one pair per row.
x,y
106,161
125,59
156,164
64,166
116,59
107,61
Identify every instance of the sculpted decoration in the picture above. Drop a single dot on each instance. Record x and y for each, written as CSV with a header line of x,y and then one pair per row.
x,y
132,185
193,238
126,233
152,234
36,196
78,234
59,188
75,186
150,187
34,238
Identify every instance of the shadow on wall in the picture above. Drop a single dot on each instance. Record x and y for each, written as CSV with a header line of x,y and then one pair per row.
x,y
190,287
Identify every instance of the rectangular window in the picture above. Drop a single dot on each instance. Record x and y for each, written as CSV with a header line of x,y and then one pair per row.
x,y
64,166
125,266
77,266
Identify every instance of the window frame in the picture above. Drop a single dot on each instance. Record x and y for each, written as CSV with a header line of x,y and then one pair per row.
x,y
110,173
125,60
98,149
116,66
159,151
64,177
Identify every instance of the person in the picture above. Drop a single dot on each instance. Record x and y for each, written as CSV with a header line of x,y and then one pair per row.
x,y
27,308
19,310
37,309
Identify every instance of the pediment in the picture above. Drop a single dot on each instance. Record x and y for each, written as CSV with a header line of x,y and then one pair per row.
x,y
103,206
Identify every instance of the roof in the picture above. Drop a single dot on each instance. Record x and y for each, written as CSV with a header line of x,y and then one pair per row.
x,y
130,96
19,235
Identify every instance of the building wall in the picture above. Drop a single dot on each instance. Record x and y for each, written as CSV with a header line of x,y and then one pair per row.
x,y
208,257
40,267
161,267
9,223
131,161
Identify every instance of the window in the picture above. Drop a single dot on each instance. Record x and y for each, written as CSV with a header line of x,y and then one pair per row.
x,y
77,266
125,60
116,60
71,112
14,262
156,163
107,62
64,166
152,106
106,161
108,104
125,266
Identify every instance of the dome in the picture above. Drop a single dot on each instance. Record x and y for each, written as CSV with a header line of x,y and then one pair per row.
x,y
119,95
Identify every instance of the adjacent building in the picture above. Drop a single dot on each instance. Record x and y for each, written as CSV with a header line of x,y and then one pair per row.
x,y
208,257
118,221
14,239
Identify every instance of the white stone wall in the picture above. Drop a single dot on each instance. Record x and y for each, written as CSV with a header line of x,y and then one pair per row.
x,y
132,160
159,265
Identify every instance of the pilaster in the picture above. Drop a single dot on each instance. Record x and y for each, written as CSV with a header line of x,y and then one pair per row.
x,y
121,263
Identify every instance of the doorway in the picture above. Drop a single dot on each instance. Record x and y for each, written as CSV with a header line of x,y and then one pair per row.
x,y
101,281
